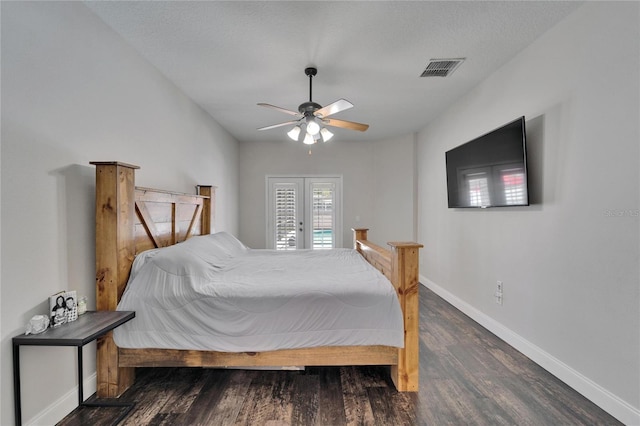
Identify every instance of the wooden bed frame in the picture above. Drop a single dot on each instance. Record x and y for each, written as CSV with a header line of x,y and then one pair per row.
x,y
130,220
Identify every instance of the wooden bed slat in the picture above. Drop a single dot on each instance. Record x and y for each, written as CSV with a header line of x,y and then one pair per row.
x,y
149,225
163,213
375,255
339,355
194,220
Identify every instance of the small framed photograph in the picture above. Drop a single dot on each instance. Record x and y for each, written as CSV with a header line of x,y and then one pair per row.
x,y
63,307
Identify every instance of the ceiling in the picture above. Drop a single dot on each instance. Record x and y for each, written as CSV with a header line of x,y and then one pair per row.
x,y
229,55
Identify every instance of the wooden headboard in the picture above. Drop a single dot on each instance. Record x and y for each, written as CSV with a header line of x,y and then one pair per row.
x,y
167,218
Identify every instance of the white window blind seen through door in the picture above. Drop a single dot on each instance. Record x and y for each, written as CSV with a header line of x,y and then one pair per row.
x,y
285,217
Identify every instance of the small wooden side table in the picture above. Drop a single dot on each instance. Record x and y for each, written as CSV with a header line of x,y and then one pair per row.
x,y
87,328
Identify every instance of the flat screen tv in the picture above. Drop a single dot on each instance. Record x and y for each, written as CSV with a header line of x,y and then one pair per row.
x,y
491,170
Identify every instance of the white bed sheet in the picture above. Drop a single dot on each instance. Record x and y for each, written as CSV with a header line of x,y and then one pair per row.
x,y
212,293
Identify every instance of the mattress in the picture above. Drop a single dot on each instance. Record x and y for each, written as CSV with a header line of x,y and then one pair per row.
x,y
213,293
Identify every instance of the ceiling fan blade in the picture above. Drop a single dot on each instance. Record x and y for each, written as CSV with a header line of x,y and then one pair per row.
x,y
286,111
346,124
273,126
333,108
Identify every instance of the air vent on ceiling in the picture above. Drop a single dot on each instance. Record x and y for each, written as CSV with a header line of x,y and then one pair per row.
x,y
441,67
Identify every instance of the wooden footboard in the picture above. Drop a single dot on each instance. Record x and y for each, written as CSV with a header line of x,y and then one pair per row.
x,y
130,220
400,265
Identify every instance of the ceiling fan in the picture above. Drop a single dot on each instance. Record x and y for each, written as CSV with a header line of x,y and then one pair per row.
x,y
312,118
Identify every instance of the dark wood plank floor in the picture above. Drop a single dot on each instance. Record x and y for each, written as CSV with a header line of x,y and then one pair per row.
x,y
468,376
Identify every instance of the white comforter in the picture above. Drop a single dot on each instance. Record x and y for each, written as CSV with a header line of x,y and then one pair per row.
x,y
212,293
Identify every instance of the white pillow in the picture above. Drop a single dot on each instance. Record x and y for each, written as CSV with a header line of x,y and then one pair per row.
x,y
186,258
215,249
140,260
179,261
229,242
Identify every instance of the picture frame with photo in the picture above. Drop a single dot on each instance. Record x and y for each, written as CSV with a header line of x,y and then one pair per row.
x,y
63,307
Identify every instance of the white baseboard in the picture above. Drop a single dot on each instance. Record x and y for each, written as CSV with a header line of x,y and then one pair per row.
x,y
68,402
618,408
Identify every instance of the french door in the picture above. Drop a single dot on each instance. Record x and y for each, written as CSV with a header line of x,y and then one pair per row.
x,y
304,212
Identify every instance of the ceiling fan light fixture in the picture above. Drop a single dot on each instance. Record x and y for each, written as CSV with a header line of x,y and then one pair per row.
x,y
326,134
313,128
294,133
308,139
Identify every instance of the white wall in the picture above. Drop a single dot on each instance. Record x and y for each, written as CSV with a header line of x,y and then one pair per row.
x,y
395,190
569,262
73,92
377,184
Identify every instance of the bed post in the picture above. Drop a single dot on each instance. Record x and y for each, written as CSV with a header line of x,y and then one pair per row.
x,y
208,208
115,210
359,234
405,275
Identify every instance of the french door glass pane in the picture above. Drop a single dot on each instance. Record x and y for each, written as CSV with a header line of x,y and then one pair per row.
x,y
322,216
285,217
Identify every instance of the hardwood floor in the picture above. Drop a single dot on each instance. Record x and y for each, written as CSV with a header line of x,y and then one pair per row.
x,y
468,376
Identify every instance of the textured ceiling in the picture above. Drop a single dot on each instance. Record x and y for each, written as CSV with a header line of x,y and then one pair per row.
x,y
228,56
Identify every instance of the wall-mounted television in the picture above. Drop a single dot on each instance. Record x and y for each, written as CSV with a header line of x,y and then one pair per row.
x,y
491,170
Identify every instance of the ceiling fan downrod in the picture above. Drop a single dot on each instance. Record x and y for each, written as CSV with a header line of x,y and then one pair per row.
x,y
311,72
308,108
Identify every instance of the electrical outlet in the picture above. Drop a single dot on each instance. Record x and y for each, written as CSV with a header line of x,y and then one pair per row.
x,y
499,292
